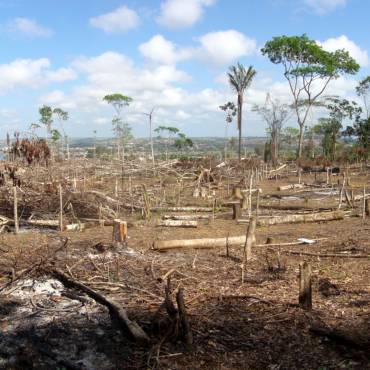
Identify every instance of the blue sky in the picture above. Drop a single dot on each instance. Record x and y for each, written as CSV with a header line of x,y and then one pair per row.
x,y
171,54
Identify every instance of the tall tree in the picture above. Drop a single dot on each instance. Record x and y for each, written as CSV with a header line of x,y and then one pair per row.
x,y
62,116
170,131
46,118
230,109
274,113
118,101
308,69
339,110
240,79
363,91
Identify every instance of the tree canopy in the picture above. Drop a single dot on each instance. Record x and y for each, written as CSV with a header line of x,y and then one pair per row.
x,y
308,69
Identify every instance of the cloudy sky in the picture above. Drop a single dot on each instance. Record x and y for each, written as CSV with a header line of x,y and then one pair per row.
x,y
171,54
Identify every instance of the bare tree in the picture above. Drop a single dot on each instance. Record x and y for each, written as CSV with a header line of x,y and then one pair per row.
x,y
274,114
150,116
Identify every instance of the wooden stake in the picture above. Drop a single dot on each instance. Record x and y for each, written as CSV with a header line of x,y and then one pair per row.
x,y
60,208
250,196
364,204
305,290
249,242
16,221
257,205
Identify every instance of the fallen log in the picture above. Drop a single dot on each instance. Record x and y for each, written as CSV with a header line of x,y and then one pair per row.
x,y
178,223
291,186
117,313
339,255
209,243
185,217
183,209
292,207
206,243
297,218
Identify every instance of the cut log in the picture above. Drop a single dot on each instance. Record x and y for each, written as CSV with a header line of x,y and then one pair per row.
x,y
206,243
178,223
296,218
117,313
291,186
183,209
185,217
45,223
295,207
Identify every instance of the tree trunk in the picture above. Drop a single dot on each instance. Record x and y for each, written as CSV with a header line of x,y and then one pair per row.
x,y
240,113
301,138
151,139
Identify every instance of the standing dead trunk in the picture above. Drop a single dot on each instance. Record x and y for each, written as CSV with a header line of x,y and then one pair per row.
x,y
250,240
16,221
183,317
305,290
60,208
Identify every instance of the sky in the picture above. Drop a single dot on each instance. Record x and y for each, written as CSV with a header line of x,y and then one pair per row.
x,y
172,55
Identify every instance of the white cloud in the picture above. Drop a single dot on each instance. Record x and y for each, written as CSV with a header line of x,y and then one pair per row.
x,y
218,48
223,47
22,72
31,73
57,98
343,42
162,51
324,6
119,20
61,75
28,27
179,14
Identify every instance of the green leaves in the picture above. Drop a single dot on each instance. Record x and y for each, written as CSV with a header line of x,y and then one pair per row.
x,y
183,142
168,129
302,56
240,78
46,115
230,110
117,100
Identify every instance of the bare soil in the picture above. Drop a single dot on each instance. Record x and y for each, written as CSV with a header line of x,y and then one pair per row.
x,y
257,324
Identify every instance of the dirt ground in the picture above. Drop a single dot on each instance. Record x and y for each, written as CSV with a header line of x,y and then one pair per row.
x,y
256,324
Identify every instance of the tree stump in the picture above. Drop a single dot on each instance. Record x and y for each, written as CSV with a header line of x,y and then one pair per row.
x,y
236,210
305,290
119,231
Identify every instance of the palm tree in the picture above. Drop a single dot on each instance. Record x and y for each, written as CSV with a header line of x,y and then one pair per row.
x,y
240,79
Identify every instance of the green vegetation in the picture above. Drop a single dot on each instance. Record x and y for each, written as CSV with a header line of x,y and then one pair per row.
x,y
308,69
